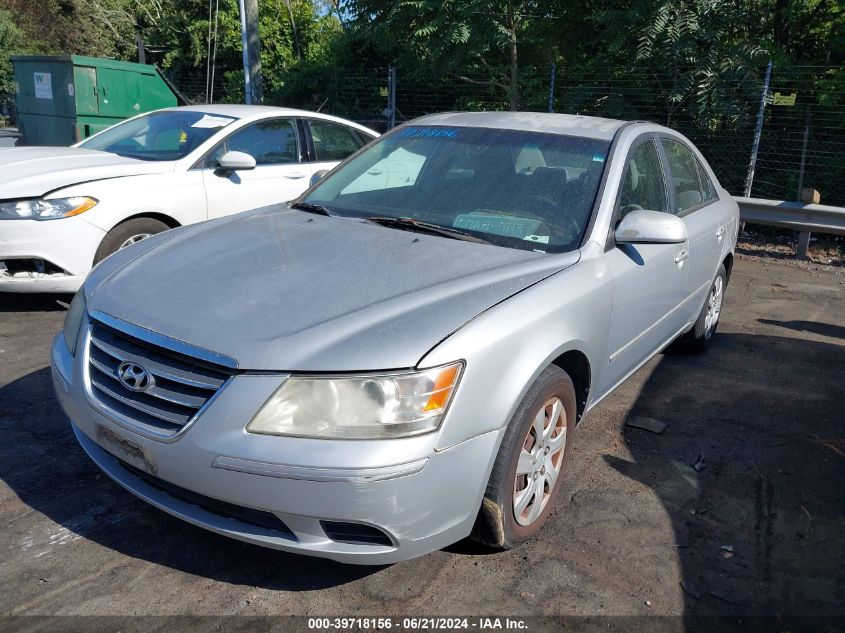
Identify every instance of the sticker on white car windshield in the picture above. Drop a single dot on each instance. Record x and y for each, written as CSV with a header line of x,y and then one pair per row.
x,y
211,121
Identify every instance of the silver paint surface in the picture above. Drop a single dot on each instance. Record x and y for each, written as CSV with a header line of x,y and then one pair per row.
x,y
285,291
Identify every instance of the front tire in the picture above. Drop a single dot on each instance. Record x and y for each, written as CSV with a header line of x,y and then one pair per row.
x,y
526,477
128,233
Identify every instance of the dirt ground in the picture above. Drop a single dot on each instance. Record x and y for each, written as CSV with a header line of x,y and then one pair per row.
x,y
760,529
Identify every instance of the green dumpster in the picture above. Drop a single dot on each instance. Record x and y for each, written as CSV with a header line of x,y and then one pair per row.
x,y
61,100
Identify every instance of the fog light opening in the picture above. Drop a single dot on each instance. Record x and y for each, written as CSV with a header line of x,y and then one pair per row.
x,y
30,268
355,533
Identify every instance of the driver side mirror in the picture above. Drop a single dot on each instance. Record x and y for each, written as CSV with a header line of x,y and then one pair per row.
x,y
650,227
233,161
317,176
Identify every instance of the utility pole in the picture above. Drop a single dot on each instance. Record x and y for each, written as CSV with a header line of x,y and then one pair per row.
x,y
391,97
253,89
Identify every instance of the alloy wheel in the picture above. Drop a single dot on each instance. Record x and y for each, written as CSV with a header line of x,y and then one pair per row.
x,y
134,240
714,307
540,459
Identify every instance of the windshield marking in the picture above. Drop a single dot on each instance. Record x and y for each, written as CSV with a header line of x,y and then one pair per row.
x,y
427,132
212,121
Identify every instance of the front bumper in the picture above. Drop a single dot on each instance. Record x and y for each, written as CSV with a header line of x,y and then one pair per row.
x,y
68,244
421,498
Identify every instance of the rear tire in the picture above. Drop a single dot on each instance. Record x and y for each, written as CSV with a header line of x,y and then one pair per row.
x,y
698,339
526,477
126,234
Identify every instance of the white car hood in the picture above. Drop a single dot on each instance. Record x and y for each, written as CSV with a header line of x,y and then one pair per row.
x,y
30,172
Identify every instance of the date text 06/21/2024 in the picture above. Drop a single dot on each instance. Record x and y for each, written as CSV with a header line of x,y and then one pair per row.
x,y
412,623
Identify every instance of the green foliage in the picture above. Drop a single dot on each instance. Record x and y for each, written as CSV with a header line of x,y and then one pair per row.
x,y
11,43
698,53
100,28
697,47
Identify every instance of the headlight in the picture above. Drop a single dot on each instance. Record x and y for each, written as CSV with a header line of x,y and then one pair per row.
x,y
360,407
46,209
73,321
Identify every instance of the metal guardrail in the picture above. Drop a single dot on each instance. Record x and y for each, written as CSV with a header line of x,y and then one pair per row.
x,y
805,218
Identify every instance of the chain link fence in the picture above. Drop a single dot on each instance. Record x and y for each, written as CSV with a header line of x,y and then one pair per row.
x,y
801,136
801,139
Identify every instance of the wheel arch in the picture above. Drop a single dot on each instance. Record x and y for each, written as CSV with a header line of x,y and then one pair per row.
x,y
169,221
153,215
728,263
576,364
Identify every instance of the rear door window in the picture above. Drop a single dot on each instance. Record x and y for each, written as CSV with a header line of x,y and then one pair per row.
x,y
333,141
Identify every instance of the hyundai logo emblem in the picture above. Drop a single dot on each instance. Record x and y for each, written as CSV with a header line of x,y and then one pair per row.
x,y
134,377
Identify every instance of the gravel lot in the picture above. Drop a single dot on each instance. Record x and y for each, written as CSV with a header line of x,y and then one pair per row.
x,y
638,531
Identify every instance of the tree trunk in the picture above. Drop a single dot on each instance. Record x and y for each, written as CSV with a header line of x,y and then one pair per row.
x,y
253,51
514,83
296,47
780,21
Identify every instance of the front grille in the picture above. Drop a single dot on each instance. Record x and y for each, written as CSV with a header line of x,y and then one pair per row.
x,y
182,384
260,518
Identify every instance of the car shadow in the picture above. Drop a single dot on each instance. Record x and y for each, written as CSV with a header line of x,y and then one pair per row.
x,y
825,329
36,302
757,526
749,471
41,461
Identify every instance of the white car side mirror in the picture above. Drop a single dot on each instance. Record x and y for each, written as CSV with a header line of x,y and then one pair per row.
x,y
233,161
650,227
317,176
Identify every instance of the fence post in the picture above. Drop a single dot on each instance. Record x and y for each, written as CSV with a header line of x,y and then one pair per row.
x,y
758,131
803,236
552,73
804,153
391,97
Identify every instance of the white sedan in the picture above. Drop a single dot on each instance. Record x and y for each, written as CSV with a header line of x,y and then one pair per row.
x,y
63,209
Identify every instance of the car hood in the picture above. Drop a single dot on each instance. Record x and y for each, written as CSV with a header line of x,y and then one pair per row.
x,y
29,172
276,289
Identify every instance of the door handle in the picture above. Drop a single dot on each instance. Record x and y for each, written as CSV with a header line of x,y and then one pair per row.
x,y
681,256
295,175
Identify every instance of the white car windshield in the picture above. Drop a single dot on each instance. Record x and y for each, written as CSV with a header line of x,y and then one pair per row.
x,y
163,135
519,189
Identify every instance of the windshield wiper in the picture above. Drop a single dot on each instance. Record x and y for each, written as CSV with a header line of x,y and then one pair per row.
x,y
409,224
310,207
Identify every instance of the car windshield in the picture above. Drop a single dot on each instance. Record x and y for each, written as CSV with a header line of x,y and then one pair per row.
x,y
518,189
163,135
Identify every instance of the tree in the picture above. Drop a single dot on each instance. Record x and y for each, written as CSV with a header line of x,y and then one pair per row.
x,y
453,35
11,43
698,47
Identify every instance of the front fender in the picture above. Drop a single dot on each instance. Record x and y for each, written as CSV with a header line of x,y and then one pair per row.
x,y
507,347
179,196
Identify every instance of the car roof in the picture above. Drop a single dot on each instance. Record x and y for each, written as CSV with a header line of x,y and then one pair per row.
x,y
242,111
570,124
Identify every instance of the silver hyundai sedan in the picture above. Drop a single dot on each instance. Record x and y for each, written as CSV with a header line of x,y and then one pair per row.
x,y
399,358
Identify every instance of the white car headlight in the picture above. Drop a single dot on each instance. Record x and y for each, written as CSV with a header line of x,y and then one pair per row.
x,y
46,209
73,321
378,406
